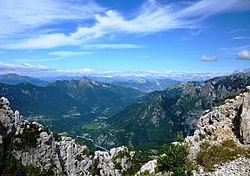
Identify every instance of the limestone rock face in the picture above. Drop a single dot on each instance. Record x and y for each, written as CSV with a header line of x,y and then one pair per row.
x,y
64,156
245,119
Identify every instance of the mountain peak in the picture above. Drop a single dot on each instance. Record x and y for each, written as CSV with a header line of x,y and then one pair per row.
x,y
87,82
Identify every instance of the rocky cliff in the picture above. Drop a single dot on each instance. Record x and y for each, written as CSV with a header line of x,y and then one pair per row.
x,y
34,145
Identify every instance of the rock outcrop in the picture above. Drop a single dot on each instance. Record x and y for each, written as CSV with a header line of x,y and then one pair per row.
x,y
34,144
244,120
228,122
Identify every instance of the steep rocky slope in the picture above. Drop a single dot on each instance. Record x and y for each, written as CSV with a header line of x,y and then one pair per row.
x,y
34,145
220,145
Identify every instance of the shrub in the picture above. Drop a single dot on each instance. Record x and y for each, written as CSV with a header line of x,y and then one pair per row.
x,y
136,162
94,168
57,137
27,140
174,159
179,138
79,157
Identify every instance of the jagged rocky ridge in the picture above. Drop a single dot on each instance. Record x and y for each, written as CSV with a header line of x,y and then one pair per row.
x,y
34,144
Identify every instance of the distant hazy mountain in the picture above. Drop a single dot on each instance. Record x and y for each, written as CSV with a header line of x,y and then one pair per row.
x,y
145,85
159,117
65,104
14,79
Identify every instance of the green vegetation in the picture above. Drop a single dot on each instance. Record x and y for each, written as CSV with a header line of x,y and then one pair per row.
x,y
174,160
57,137
90,126
135,162
94,168
79,157
232,96
208,156
28,139
88,152
10,166
221,103
146,173
179,138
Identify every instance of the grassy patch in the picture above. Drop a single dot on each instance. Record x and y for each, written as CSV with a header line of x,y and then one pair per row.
x,y
232,96
208,156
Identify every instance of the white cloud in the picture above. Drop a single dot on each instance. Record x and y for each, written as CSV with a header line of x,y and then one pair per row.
x,y
22,68
206,58
40,70
27,16
38,60
244,55
144,56
68,53
111,46
43,42
151,18
242,38
76,72
43,71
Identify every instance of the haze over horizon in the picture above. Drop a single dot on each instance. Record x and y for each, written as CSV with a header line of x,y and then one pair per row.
x,y
154,37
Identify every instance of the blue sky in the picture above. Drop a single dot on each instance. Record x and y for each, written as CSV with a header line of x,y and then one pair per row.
x,y
77,37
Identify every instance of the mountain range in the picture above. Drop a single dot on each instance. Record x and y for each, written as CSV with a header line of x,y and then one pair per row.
x,y
14,79
64,104
161,115
111,115
146,85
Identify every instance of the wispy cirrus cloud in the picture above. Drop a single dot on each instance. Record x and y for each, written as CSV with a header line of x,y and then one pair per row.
x,y
241,38
28,16
112,46
38,59
206,58
244,55
69,53
152,17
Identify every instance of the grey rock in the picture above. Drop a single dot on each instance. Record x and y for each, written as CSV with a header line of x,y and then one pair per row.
x,y
245,120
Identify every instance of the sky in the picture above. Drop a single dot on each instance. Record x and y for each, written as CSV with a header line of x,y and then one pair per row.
x,y
78,37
